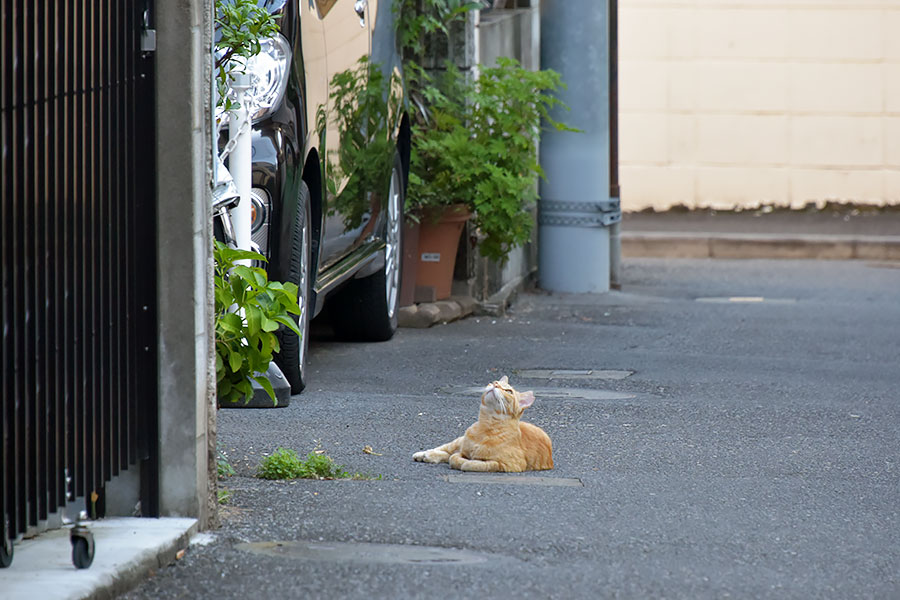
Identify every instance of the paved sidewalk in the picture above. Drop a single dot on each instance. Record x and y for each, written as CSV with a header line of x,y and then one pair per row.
x,y
126,551
833,233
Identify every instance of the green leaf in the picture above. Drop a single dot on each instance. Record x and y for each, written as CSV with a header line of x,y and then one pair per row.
x,y
289,323
246,273
268,324
267,385
254,320
231,322
234,361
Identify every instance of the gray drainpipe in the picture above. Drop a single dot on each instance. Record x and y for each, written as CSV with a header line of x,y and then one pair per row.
x,y
615,241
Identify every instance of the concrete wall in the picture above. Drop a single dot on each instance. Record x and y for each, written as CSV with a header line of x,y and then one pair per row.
x,y
728,103
184,163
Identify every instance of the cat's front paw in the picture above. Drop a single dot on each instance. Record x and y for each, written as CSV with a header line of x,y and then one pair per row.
x,y
431,456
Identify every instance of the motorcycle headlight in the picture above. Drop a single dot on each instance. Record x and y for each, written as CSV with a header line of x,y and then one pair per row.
x,y
268,72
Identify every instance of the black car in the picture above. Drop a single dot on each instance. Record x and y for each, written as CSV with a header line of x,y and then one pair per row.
x,y
330,163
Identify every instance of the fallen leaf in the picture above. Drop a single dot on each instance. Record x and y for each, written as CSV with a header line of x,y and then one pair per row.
x,y
368,450
179,555
319,451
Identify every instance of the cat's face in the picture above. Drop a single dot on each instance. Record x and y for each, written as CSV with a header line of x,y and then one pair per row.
x,y
499,397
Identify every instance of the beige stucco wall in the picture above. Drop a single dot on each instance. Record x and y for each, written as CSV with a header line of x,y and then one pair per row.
x,y
727,103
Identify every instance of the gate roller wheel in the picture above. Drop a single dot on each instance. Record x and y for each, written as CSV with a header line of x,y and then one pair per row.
x,y
82,547
6,554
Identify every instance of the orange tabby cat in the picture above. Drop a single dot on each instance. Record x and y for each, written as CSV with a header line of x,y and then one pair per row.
x,y
498,441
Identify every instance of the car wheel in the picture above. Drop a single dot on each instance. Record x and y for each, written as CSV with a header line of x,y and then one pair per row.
x,y
292,358
367,308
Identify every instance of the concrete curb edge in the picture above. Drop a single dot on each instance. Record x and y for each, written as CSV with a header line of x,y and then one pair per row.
x,y
745,246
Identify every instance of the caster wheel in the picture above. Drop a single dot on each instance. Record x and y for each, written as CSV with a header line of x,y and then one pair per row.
x,y
82,549
6,554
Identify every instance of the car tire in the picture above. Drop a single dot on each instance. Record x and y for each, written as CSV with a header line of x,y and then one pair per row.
x,y
292,359
366,309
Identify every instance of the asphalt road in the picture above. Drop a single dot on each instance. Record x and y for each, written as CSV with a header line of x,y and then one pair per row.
x,y
751,452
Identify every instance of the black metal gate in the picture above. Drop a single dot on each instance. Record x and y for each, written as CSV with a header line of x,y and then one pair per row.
x,y
78,229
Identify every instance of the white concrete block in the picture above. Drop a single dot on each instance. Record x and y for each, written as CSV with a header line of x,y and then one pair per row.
x,y
826,33
837,141
836,87
742,139
643,138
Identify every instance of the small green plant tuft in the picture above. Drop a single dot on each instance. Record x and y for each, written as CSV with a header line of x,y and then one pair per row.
x,y
285,463
224,496
223,467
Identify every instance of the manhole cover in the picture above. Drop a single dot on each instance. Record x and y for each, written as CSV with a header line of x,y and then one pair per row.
x,y
608,374
746,300
509,479
552,393
367,553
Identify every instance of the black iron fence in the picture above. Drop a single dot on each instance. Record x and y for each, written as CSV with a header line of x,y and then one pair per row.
x,y
78,230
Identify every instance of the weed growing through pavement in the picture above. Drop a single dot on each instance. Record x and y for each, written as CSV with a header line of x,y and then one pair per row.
x,y
224,496
223,467
285,463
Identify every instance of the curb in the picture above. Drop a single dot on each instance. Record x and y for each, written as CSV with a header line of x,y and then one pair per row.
x,y
426,314
128,550
651,244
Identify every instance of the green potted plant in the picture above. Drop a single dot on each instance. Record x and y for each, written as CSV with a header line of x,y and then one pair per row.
x,y
474,142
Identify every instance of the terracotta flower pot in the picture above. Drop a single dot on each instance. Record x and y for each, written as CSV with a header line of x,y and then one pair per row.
x,y
438,240
409,263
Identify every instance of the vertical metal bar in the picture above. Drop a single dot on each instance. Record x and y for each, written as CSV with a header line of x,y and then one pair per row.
x,y
80,296
144,170
42,241
120,337
101,236
92,239
29,426
614,98
126,25
18,413
86,201
56,422
6,264
108,265
70,295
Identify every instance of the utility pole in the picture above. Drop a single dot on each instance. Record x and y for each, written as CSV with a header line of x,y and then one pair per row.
x,y
576,207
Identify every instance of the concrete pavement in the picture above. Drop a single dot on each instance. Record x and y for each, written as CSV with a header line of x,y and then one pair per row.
x,y
429,390
721,429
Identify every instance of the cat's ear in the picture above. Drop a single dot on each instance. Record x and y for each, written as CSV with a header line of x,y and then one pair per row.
x,y
504,380
526,399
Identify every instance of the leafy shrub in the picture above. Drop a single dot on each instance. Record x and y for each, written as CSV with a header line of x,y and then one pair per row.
x,y
473,141
248,310
483,151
